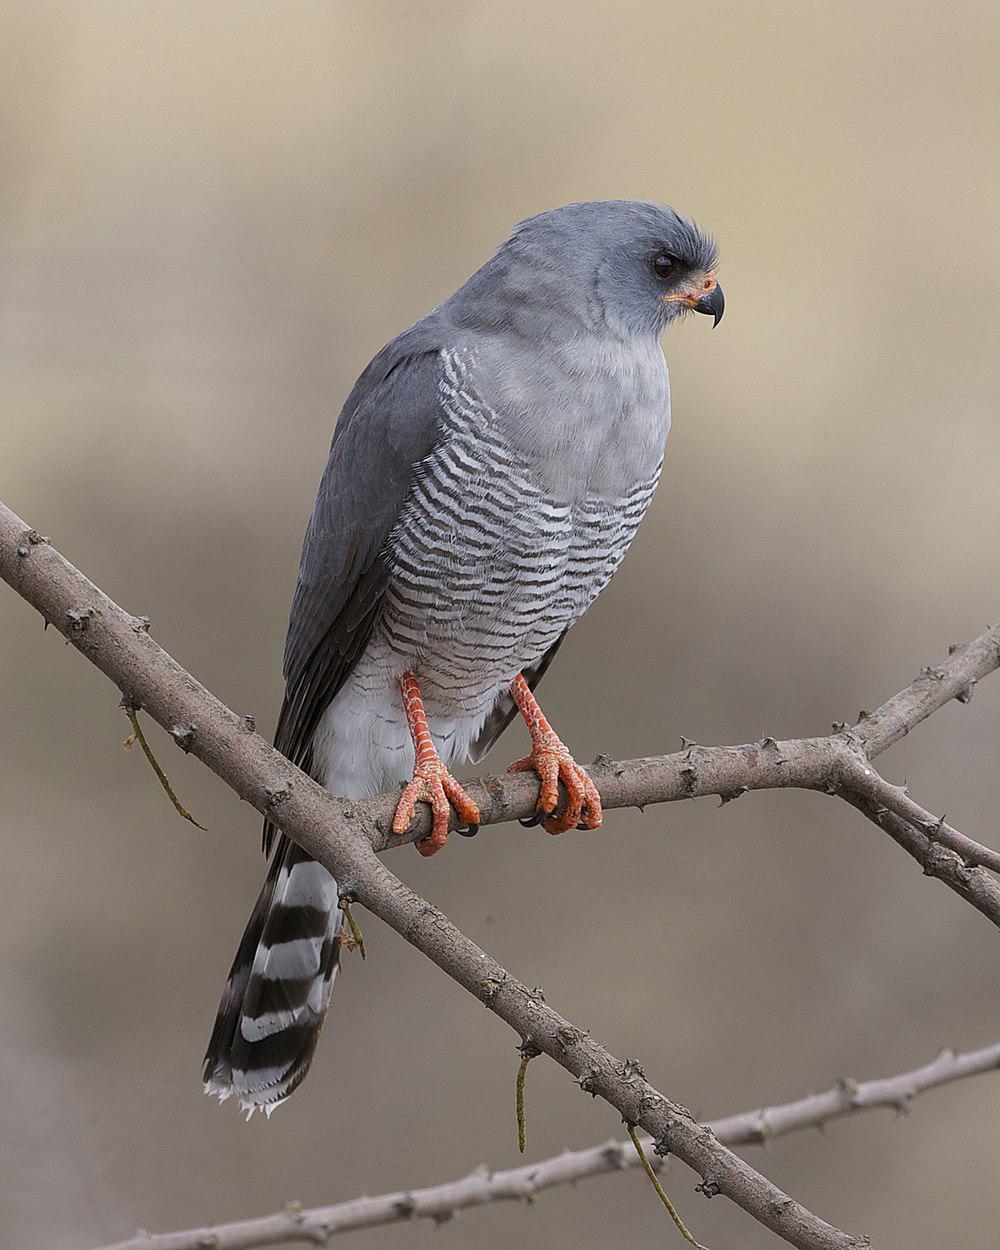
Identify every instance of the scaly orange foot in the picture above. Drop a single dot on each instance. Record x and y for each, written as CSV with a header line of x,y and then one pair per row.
x,y
553,763
432,783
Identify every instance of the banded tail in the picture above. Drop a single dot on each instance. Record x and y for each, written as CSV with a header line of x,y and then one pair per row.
x,y
279,986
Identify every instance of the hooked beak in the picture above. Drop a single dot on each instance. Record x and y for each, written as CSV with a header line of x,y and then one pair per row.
x,y
707,298
712,304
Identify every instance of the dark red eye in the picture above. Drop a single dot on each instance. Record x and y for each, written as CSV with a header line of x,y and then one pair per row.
x,y
663,264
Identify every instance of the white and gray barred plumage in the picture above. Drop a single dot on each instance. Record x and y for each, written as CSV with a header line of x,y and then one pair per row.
x,y
486,477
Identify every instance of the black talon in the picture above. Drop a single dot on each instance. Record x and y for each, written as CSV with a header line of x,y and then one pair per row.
x,y
412,828
536,818
467,831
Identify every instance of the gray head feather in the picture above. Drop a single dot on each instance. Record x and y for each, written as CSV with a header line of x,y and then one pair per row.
x,y
586,267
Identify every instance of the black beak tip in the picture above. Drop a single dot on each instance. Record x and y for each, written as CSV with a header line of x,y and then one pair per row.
x,y
712,305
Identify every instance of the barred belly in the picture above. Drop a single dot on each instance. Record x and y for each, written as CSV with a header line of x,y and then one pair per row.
x,y
488,572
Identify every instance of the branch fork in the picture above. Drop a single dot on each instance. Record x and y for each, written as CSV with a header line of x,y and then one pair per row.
x,y
347,838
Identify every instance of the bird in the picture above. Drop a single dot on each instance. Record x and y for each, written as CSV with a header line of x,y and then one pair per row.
x,y
485,479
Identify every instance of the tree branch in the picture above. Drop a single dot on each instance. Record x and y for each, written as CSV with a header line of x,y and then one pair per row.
x,y
728,772
974,884
883,798
334,832
524,1184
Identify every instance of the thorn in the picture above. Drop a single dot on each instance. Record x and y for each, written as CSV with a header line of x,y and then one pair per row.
x,y
80,619
183,735
629,1070
588,1081
839,726
278,794
688,743
491,988
848,1086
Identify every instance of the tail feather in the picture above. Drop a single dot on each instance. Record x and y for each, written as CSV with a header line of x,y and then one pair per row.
x,y
279,986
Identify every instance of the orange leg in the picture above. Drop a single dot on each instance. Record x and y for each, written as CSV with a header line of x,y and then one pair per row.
x,y
432,783
553,763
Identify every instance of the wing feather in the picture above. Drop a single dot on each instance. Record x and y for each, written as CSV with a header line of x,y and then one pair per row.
x,y
390,422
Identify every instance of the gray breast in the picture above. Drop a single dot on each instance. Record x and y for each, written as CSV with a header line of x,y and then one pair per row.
x,y
491,565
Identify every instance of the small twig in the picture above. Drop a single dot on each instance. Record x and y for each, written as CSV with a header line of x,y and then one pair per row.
x,y
528,1052
140,737
654,1180
356,936
866,782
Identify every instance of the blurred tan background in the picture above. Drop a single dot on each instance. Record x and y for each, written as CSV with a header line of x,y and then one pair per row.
x,y
212,215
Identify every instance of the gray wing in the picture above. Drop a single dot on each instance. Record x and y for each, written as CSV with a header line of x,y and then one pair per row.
x,y
389,423
506,709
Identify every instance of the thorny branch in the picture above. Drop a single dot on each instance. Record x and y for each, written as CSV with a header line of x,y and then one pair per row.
x,y
343,836
524,1184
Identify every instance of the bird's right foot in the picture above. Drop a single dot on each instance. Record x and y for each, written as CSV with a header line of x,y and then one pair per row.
x,y
432,783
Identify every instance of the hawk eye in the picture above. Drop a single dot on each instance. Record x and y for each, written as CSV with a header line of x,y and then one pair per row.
x,y
663,263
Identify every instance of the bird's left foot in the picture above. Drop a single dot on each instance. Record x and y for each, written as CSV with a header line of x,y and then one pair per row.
x,y
551,760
